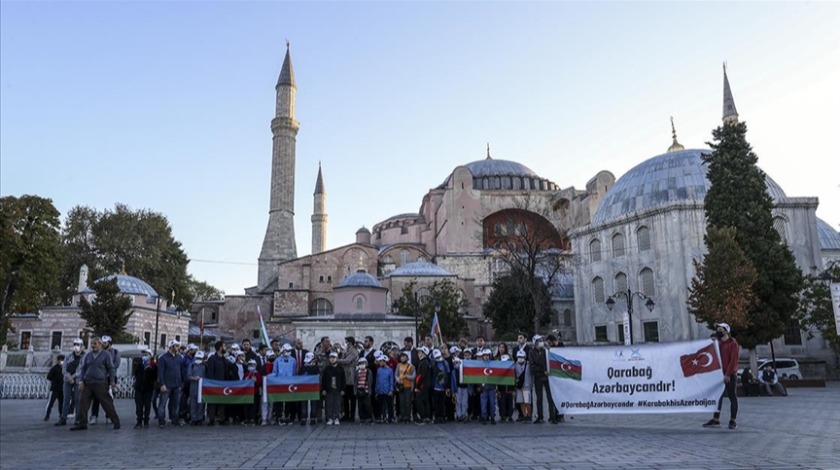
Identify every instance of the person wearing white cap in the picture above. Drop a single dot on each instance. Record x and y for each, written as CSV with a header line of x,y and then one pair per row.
x,y
423,386
442,376
729,352
539,372
250,411
332,388
364,389
170,380
284,366
459,391
197,371
188,356
309,410
94,375
71,388
115,358
523,385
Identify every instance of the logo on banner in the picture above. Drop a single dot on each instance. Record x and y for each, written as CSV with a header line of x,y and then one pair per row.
x,y
700,362
559,366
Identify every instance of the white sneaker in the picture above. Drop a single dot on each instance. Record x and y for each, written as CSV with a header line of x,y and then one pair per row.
x,y
336,422
329,422
92,420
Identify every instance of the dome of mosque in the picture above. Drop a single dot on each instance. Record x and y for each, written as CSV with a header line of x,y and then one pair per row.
x,y
829,238
360,279
420,269
129,285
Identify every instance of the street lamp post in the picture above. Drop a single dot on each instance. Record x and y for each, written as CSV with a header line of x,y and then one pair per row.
x,y
416,321
628,296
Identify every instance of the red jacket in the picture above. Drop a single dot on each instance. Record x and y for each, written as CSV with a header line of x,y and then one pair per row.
x,y
729,352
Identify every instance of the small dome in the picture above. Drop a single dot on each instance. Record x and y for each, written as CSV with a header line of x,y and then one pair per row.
x,y
662,180
829,238
360,279
362,230
490,174
420,269
129,285
491,167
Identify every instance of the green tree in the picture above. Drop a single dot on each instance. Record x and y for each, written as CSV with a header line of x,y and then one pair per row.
x,y
443,293
201,290
738,198
815,310
511,305
721,290
30,256
106,315
138,241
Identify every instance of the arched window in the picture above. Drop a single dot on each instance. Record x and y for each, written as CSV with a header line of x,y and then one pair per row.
x,y
647,282
388,260
620,283
423,294
598,290
517,183
322,307
618,245
779,224
405,257
506,182
360,303
595,250
643,237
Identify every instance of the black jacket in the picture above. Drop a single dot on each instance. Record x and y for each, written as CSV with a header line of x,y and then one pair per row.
x,y
537,360
424,380
333,378
216,367
55,378
144,377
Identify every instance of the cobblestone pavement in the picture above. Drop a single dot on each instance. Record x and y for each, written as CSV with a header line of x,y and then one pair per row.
x,y
800,431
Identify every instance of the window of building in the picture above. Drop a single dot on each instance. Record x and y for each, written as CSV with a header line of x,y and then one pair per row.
x,y
423,294
620,332
291,285
147,338
598,290
643,238
329,279
506,184
779,226
595,250
567,317
405,257
651,330
497,230
403,230
255,334
601,333
163,340
497,182
620,283
646,280
510,229
321,279
517,183
322,307
793,335
25,339
618,245
213,318
55,340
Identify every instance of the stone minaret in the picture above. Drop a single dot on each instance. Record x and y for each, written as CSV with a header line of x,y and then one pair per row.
x,y
319,216
279,243
730,114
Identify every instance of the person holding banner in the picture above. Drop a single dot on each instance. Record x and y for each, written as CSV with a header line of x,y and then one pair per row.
x,y
309,408
523,385
216,369
460,391
196,372
252,414
488,394
539,372
729,352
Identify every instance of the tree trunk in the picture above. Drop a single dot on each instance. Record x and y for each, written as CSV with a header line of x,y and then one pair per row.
x,y
754,362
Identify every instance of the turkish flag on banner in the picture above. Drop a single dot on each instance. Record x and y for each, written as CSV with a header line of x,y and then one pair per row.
x,y
704,360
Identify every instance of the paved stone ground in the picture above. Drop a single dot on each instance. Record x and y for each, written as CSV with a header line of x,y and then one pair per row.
x,y
800,431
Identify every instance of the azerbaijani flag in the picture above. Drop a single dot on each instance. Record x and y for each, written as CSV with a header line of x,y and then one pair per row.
x,y
559,366
294,388
226,392
488,372
264,339
436,334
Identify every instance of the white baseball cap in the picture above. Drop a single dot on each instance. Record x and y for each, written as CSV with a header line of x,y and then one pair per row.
x,y
505,357
536,338
105,339
436,354
333,354
173,342
78,341
192,347
725,326
454,350
308,357
287,347
521,354
199,355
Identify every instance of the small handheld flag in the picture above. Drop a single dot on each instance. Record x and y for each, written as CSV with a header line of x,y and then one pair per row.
x,y
436,335
226,392
263,332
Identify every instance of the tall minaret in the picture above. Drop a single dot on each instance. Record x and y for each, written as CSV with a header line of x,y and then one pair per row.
x,y
319,215
279,243
730,114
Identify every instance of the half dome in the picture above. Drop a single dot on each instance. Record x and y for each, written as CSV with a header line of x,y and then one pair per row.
x,y
360,279
420,269
829,238
129,285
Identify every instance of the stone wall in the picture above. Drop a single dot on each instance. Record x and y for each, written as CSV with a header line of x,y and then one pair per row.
x,y
382,331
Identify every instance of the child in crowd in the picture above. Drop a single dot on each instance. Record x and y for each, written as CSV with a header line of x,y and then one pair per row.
x,y
442,377
332,388
505,397
403,382
252,373
363,382
195,372
385,389
488,395
523,386
459,391
265,406
309,410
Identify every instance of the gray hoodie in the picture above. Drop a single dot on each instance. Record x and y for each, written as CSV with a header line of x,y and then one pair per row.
x,y
96,368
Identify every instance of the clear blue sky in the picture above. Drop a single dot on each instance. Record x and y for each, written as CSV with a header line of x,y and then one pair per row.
x,y
166,105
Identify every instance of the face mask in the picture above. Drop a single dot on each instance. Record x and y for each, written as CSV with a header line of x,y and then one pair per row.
x,y
251,369
77,348
718,334
145,359
520,360
539,345
199,361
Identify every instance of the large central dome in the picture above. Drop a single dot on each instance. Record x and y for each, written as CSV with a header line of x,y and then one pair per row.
x,y
492,174
660,181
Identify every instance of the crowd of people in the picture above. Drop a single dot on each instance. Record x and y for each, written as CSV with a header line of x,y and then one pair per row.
x,y
359,383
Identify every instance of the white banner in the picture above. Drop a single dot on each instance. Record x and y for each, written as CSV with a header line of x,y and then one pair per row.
x,y
644,378
835,302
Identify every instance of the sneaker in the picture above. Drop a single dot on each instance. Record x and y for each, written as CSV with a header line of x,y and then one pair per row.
x,y
138,426
711,423
336,422
116,425
79,427
538,421
93,420
61,422
732,424
312,422
329,422
493,421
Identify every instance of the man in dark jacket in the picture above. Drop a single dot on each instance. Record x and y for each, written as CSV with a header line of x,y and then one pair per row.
x,y
145,376
539,370
216,370
423,386
56,379
95,373
71,387
169,378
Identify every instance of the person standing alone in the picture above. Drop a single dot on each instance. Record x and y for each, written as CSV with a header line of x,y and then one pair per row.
x,y
729,351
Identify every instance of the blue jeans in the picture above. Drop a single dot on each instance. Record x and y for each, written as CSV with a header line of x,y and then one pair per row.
x,y
488,402
173,396
71,392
